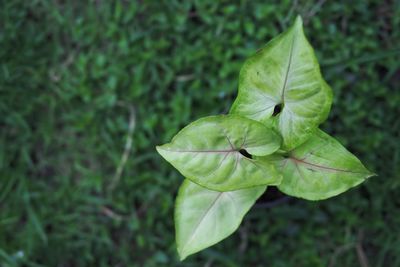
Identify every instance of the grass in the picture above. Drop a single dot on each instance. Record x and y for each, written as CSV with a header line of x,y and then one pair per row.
x,y
79,79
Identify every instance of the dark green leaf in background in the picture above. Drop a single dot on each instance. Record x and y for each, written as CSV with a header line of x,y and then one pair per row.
x,y
71,69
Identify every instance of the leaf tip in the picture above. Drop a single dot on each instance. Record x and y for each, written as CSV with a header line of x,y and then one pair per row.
x,y
182,255
161,150
182,258
158,148
298,21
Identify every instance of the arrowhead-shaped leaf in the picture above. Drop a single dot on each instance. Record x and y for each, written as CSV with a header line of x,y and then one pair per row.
x,y
283,82
320,168
204,217
211,153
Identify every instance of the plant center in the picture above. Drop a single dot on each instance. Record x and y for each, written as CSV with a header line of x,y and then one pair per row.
x,y
277,109
245,153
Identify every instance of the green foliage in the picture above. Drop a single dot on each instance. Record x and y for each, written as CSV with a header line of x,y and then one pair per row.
x,y
285,73
204,217
69,72
208,152
313,165
320,168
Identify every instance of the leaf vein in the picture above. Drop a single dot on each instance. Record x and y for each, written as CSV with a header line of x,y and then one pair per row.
x,y
203,217
285,84
322,167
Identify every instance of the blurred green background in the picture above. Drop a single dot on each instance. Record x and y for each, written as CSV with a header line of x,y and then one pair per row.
x,y
88,88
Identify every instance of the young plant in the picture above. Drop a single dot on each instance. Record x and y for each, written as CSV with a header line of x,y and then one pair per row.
x,y
270,137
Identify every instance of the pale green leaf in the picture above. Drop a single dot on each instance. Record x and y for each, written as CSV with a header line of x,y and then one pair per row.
x,y
318,169
204,217
208,152
285,74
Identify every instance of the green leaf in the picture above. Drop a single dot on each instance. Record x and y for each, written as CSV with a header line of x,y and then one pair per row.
x,y
204,217
210,150
285,77
320,168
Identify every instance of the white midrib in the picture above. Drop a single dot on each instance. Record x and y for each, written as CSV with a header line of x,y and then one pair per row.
x,y
286,81
203,217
